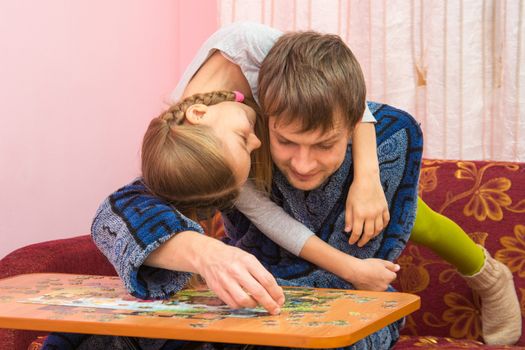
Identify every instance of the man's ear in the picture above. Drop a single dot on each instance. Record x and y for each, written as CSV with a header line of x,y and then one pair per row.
x,y
196,113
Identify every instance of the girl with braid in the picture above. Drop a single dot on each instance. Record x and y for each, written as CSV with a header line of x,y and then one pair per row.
x,y
231,60
251,47
245,44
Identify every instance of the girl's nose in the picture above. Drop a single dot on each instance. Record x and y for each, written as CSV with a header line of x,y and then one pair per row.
x,y
254,142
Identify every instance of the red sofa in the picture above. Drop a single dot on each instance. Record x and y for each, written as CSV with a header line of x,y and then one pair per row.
x,y
486,198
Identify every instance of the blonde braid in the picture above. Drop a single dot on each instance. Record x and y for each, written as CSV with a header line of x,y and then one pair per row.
x,y
177,112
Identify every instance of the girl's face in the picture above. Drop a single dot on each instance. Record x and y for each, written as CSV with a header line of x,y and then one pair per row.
x,y
233,123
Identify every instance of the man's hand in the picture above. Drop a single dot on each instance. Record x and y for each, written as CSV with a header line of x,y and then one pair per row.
x,y
238,278
374,274
366,210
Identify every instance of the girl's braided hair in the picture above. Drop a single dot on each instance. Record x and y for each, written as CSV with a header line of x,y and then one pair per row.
x,y
185,164
177,112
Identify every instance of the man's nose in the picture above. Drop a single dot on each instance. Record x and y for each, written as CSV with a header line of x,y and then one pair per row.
x,y
303,161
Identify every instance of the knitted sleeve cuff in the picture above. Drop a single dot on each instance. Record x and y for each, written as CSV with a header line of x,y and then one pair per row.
x,y
129,225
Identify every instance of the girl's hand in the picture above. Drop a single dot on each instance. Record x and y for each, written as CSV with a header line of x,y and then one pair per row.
x,y
366,210
367,274
374,274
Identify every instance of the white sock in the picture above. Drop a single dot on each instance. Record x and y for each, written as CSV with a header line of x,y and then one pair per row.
x,y
500,308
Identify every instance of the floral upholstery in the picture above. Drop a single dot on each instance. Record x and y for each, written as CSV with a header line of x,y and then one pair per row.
x,y
487,199
430,342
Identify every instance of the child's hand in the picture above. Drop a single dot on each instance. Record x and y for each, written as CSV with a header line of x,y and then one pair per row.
x,y
374,274
366,210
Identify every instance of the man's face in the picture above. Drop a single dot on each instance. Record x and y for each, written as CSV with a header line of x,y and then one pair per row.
x,y
307,159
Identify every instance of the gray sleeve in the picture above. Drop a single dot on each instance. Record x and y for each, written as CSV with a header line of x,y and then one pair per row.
x,y
244,43
272,220
368,117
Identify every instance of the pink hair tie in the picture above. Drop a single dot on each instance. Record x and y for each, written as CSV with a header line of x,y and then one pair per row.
x,y
239,97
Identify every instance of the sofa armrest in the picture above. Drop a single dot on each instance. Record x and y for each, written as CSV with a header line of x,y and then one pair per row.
x,y
71,255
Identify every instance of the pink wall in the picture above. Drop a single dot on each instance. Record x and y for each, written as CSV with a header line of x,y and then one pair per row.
x,y
79,82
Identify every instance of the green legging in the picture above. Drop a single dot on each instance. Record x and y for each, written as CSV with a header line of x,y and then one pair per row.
x,y
446,239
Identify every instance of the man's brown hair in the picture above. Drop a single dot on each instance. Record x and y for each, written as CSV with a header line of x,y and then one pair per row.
x,y
309,76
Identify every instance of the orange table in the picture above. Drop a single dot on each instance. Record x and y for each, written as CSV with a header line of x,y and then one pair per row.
x,y
311,318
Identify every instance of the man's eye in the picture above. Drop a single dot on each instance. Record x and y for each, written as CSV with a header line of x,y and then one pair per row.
x,y
325,147
284,142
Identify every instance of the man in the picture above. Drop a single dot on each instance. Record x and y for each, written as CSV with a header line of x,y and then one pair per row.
x,y
312,89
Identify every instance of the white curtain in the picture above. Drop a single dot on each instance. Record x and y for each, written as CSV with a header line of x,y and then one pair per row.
x,y
456,66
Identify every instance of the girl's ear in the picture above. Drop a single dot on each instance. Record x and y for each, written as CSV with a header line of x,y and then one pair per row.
x,y
195,114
